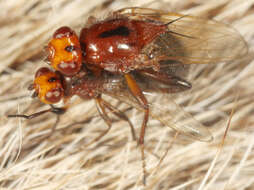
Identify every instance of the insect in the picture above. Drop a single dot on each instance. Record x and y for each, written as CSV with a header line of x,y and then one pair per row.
x,y
134,52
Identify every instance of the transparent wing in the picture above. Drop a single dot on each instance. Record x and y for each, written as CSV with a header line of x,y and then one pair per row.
x,y
165,110
198,41
169,113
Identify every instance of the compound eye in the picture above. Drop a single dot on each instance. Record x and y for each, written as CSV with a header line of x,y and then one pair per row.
x,y
48,86
64,51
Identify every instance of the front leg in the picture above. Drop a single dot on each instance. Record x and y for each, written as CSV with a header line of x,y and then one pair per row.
x,y
55,110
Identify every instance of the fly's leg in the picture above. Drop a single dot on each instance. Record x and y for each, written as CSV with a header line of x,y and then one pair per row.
x,y
121,115
101,105
174,83
101,110
55,110
138,94
58,111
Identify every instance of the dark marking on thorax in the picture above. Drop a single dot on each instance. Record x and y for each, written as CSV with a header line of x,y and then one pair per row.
x,y
119,31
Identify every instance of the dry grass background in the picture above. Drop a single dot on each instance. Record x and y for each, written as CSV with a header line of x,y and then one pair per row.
x,y
31,160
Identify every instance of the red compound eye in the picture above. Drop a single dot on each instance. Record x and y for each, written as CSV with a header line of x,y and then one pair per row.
x,y
64,51
48,86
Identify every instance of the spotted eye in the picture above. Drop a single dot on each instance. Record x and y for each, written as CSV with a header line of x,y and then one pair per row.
x,y
64,52
48,86
52,79
70,48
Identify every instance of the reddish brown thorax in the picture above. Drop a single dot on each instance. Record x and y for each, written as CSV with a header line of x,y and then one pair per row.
x,y
115,45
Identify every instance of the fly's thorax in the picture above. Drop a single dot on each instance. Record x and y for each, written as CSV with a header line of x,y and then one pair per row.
x,y
115,44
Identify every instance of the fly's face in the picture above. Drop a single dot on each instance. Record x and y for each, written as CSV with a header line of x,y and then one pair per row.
x,y
48,86
65,52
